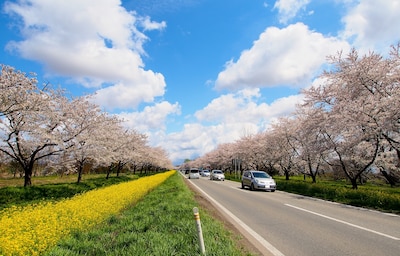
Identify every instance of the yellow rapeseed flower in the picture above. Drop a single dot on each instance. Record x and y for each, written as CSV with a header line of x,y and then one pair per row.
x,y
33,229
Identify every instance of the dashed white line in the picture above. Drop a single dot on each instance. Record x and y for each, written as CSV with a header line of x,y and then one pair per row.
x,y
344,222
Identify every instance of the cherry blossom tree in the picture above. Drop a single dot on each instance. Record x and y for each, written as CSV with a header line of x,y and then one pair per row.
x,y
93,142
260,158
224,155
125,146
355,98
308,140
246,152
43,126
285,154
267,146
154,158
350,122
389,117
32,120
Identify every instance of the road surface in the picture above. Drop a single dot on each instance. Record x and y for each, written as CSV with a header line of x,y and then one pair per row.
x,y
281,223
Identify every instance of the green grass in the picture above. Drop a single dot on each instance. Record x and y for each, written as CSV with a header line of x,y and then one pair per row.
x,y
51,188
371,196
161,224
51,179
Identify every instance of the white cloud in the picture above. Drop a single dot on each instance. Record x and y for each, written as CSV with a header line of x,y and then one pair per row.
x,y
232,116
94,42
148,24
152,118
243,107
231,108
373,25
290,56
288,9
196,139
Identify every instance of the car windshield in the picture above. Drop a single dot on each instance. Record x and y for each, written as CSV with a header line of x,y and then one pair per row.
x,y
217,172
194,171
206,171
260,175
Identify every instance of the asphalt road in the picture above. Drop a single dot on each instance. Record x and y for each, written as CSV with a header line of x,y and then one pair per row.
x,y
281,223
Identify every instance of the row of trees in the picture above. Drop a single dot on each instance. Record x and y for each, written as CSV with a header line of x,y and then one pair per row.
x,y
43,127
349,123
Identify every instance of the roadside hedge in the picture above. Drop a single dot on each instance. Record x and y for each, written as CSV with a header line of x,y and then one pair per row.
x,y
362,197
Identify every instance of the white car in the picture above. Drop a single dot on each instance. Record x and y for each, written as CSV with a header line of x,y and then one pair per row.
x,y
258,180
205,173
217,175
194,173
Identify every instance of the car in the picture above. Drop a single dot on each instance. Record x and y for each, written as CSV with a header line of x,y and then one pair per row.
x,y
217,175
205,173
258,180
194,173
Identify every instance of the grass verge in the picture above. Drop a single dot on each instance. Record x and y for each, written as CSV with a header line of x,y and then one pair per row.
x,y
367,196
162,223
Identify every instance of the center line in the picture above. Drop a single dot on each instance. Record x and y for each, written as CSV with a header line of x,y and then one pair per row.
x,y
344,222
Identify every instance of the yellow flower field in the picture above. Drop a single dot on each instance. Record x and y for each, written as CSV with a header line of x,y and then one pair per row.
x,y
33,229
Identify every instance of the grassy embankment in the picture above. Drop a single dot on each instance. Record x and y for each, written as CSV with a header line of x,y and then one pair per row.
x,y
161,223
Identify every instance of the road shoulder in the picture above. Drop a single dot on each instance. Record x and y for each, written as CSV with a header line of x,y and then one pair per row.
x,y
241,240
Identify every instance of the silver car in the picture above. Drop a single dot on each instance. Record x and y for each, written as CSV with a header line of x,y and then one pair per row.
x,y
258,180
217,175
194,173
205,173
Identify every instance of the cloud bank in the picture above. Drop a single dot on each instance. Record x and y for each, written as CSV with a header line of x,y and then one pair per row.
x,y
100,45
96,43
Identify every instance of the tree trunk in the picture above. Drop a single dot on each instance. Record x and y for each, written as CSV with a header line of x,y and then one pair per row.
x,y
314,178
353,178
109,169
28,170
28,178
80,170
389,178
310,170
79,177
354,183
119,167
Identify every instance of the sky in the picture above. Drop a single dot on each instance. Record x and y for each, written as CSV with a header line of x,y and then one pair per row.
x,y
191,74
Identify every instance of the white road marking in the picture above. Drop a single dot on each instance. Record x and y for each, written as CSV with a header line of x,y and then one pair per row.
x,y
259,238
344,222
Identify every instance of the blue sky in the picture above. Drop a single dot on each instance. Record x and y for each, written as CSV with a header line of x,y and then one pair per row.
x,y
191,74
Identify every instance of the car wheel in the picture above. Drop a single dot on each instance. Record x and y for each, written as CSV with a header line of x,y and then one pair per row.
x,y
252,187
242,185
273,190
